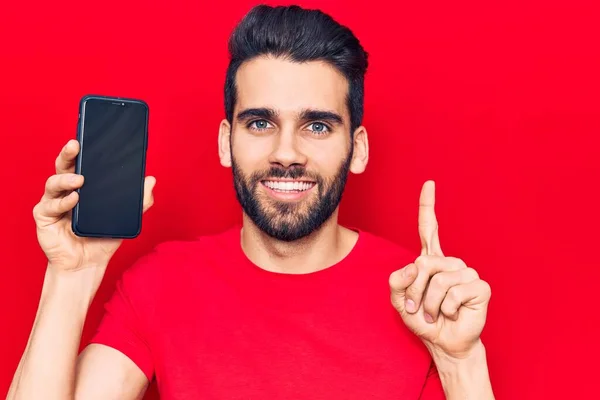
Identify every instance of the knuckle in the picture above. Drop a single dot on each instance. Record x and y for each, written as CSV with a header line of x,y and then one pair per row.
x,y
409,272
50,182
457,262
420,262
36,210
486,288
424,263
447,308
391,280
454,295
471,273
438,282
396,280
40,210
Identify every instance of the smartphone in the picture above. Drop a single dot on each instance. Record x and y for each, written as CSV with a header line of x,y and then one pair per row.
x,y
113,138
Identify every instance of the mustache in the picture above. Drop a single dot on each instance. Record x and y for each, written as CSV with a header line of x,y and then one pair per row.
x,y
294,172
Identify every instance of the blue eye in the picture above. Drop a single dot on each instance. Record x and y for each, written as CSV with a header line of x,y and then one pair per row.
x,y
319,127
259,125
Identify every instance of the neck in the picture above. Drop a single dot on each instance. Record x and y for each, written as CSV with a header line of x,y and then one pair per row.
x,y
319,250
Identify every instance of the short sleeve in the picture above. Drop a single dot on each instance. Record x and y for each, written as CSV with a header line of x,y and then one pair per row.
x,y
433,389
126,323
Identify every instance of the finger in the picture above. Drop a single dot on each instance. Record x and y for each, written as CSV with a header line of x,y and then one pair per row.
x,y
439,286
65,162
472,295
428,225
428,266
399,281
149,184
52,209
57,185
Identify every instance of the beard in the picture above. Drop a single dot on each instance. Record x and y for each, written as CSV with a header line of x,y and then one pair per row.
x,y
290,221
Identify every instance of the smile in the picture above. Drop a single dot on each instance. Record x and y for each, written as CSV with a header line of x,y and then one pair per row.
x,y
289,186
288,190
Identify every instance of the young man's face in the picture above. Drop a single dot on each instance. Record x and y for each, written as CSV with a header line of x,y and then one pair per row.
x,y
291,145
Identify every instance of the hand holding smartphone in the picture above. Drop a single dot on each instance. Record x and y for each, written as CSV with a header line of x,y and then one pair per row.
x,y
98,190
113,136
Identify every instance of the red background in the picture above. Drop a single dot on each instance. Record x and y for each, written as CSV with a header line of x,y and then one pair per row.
x,y
498,103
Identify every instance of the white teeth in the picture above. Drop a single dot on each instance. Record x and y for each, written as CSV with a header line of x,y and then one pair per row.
x,y
288,186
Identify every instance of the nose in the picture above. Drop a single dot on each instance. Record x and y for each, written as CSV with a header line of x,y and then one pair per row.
x,y
286,151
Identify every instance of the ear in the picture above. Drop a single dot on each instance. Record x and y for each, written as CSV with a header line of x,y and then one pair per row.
x,y
360,158
224,143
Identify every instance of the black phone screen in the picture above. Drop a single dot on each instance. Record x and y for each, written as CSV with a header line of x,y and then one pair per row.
x,y
112,136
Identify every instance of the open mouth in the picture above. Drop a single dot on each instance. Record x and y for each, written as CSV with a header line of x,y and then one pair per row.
x,y
289,186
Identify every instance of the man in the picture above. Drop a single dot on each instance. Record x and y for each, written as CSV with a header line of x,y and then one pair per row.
x,y
289,306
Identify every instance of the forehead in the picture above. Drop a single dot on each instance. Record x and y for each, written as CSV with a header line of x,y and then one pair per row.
x,y
290,87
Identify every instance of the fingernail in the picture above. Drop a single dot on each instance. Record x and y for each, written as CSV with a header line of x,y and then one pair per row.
x,y
428,318
73,179
410,305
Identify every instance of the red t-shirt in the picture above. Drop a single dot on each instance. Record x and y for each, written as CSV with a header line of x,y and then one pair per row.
x,y
208,324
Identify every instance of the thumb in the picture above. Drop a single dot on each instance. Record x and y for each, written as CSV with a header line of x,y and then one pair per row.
x,y
149,183
400,280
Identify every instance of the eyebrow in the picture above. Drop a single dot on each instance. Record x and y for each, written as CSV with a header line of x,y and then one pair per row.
x,y
327,116
263,112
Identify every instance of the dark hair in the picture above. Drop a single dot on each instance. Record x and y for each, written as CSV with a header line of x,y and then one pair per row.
x,y
300,35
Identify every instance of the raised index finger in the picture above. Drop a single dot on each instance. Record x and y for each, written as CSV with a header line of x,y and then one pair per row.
x,y
65,162
428,225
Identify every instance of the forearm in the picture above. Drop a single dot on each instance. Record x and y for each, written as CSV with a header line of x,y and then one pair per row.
x,y
47,368
467,378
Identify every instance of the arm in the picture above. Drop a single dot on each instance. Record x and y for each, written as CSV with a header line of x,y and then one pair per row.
x,y
445,303
466,378
107,374
49,367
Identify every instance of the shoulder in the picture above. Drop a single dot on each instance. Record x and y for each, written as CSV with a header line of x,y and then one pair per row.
x,y
211,242
176,257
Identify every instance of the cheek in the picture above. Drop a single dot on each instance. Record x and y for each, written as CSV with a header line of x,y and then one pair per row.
x,y
250,153
327,158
